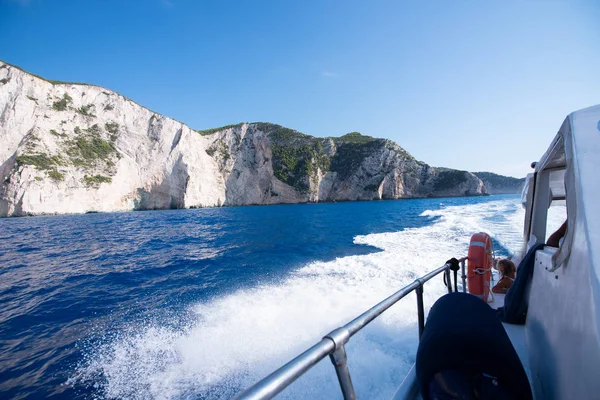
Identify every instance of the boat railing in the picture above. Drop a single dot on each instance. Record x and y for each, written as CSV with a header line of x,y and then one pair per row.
x,y
333,344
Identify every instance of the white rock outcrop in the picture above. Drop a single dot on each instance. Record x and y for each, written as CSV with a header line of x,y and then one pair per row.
x,y
73,148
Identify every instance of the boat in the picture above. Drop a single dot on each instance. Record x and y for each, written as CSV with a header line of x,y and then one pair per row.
x,y
558,345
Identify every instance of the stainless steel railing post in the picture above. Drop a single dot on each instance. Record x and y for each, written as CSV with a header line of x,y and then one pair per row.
x,y
338,358
455,280
420,309
464,275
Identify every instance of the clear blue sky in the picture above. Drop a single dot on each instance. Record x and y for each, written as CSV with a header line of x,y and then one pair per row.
x,y
476,85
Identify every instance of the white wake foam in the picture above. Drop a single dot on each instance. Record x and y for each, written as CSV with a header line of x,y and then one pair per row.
x,y
235,340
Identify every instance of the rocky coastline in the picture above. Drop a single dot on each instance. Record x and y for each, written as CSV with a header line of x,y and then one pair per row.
x,y
78,148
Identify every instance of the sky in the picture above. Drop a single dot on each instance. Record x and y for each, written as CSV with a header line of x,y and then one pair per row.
x,y
473,85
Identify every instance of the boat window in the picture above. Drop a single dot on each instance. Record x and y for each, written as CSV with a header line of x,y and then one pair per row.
x,y
557,214
557,211
557,186
547,211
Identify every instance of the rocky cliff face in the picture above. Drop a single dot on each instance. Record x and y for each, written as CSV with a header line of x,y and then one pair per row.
x,y
73,148
499,184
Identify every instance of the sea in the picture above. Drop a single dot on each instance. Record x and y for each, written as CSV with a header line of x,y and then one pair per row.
x,y
202,303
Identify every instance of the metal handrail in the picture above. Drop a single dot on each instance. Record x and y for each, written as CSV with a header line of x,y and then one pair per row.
x,y
332,344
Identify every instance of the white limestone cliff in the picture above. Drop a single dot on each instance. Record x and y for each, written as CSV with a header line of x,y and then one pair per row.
x,y
74,148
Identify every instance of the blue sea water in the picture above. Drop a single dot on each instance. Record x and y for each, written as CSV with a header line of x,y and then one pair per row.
x,y
201,303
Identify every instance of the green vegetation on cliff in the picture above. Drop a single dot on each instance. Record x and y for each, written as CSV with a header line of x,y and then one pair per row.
x,y
53,132
111,127
214,130
497,184
220,148
56,175
86,151
354,137
86,110
43,162
96,180
88,148
297,157
297,165
449,178
90,151
351,155
62,104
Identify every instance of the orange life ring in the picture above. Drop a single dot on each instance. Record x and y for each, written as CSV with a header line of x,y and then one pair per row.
x,y
480,259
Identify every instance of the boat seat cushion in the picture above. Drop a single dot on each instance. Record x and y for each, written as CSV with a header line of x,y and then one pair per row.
x,y
464,334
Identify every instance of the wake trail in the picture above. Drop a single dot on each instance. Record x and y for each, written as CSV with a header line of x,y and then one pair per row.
x,y
231,342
